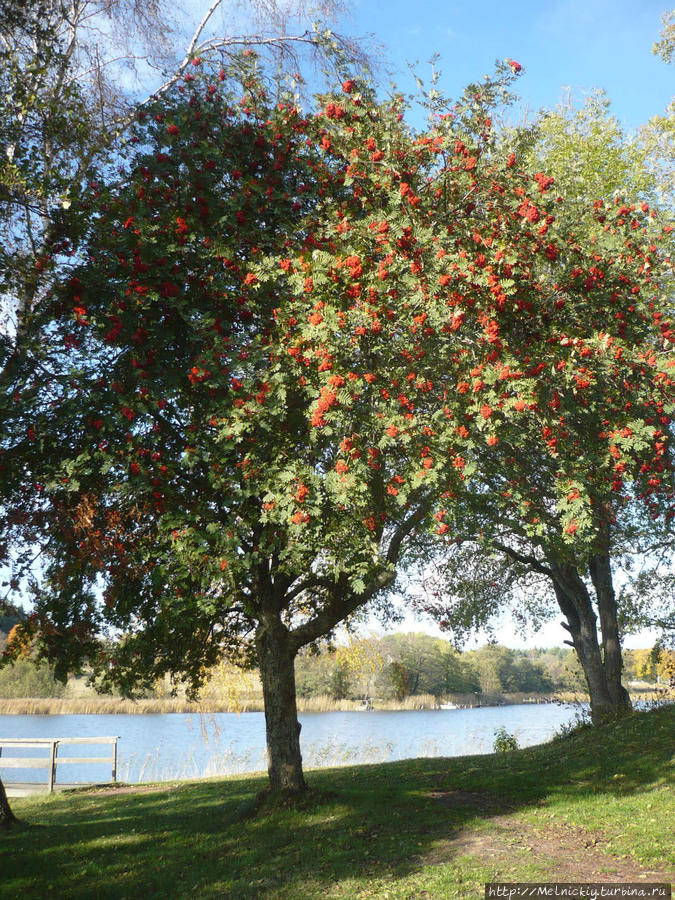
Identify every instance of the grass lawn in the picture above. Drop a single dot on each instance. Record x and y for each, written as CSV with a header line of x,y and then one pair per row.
x,y
596,806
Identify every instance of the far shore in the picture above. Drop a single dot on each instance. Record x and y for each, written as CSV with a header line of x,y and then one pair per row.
x,y
160,705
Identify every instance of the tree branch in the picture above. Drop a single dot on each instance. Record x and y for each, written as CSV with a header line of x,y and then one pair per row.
x,y
209,46
312,581
401,534
344,602
523,558
200,28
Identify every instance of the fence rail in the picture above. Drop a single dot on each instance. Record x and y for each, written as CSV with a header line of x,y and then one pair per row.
x,y
51,762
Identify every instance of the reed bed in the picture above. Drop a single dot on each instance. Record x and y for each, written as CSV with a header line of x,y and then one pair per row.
x,y
104,706
324,703
94,705
557,697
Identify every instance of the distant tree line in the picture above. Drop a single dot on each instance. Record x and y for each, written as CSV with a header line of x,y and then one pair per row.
x,y
391,667
402,665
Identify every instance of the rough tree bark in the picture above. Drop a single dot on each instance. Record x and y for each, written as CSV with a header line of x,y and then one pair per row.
x,y
601,665
276,658
277,646
7,817
601,661
601,576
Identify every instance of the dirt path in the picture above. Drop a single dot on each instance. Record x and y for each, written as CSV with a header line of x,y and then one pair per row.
x,y
568,853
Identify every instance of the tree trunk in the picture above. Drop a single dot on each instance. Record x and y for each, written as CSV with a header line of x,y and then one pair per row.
x,y
7,817
276,658
601,576
607,696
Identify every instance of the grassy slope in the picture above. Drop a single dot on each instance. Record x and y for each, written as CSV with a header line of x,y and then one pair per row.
x,y
601,801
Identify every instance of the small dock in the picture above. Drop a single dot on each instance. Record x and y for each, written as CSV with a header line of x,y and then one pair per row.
x,y
47,753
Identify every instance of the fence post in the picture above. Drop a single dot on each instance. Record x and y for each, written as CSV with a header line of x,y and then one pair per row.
x,y
52,765
114,765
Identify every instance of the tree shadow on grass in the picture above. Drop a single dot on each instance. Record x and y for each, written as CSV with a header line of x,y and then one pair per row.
x,y
380,821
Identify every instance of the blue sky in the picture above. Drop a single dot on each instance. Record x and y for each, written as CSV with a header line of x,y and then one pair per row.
x,y
576,44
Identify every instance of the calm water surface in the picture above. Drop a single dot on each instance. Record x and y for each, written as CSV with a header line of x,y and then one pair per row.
x,y
193,745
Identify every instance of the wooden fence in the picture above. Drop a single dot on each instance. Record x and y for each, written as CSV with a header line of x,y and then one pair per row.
x,y
54,759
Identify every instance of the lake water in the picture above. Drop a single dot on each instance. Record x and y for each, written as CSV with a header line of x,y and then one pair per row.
x,y
194,745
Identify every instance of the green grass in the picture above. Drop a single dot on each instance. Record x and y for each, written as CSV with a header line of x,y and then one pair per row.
x,y
393,831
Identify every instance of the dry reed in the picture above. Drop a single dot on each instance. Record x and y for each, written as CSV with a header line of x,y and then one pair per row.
x,y
253,703
103,706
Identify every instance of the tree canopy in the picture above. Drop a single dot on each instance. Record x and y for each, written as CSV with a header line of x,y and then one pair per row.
x,y
74,74
70,85
514,547
291,347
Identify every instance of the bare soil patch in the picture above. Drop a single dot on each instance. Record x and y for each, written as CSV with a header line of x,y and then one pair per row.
x,y
109,789
567,852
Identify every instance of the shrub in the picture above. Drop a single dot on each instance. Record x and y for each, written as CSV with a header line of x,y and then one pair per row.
x,y
26,678
504,741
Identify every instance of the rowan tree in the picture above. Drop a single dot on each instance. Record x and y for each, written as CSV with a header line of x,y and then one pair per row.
x,y
73,73
291,344
586,488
